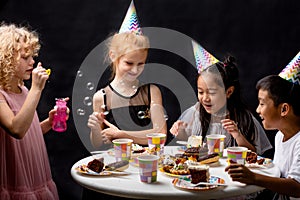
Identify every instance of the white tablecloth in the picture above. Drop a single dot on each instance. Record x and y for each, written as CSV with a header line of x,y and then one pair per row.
x,y
130,185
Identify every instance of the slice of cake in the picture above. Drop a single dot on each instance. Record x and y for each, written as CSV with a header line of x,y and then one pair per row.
x,y
96,165
251,157
192,151
199,173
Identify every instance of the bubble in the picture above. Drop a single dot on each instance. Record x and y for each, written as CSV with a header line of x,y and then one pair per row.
x,y
141,114
166,117
80,111
79,73
90,86
106,112
87,101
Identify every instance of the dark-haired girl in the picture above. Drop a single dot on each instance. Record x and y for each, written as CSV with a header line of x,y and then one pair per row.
x,y
219,102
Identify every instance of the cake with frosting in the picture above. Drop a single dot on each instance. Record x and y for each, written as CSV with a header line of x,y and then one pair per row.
x,y
194,141
199,173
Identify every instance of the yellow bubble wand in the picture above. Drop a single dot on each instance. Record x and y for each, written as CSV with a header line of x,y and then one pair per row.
x,y
48,71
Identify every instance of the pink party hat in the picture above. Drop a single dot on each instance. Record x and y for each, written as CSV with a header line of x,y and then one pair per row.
x,y
202,57
292,71
131,22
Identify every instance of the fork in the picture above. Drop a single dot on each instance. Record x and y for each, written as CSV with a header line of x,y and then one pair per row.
x,y
207,183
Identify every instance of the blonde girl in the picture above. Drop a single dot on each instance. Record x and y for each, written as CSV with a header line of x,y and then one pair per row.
x,y
25,171
126,108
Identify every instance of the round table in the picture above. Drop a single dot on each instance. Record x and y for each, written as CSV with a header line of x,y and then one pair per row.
x,y
130,185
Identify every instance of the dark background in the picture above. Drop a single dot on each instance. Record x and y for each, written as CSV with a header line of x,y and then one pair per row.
x,y
262,35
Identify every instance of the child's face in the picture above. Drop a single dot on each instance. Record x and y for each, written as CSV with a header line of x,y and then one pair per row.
x,y
266,109
210,94
24,66
131,65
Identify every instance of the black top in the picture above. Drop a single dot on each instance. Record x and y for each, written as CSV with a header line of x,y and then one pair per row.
x,y
130,113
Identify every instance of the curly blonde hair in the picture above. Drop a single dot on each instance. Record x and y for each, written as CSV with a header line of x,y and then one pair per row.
x,y
123,43
12,40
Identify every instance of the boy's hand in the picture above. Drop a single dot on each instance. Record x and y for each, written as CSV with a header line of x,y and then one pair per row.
x,y
241,173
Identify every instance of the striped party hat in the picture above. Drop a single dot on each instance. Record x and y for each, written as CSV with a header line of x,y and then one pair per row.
x,y
202,57
292,71
131,22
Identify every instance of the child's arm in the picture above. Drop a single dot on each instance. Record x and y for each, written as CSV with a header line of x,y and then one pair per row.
x,y
17,125
95,121
231,127
157,118
285,186
178,130
46,125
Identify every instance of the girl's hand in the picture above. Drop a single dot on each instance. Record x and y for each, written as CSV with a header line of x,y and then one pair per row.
x,y
95,120
231,127
39,77
177,127
241,173
109,133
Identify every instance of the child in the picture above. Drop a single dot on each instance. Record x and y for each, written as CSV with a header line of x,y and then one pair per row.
x,y
219,95
130,106
279,109
25,170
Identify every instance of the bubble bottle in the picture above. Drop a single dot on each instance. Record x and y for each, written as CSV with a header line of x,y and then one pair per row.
x,y
60,117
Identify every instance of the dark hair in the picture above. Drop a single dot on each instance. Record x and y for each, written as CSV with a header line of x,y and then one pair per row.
x,y
227,75
281,91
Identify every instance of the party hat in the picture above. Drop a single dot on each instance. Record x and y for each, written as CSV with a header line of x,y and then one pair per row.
x,y
292,71
131,22
202,57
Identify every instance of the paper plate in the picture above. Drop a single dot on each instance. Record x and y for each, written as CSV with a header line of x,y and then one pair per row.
x,y
185,184
83,169
173,175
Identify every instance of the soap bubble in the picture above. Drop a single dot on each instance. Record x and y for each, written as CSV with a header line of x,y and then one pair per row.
x,y
79,73
80,111
90,86
166,117
87,101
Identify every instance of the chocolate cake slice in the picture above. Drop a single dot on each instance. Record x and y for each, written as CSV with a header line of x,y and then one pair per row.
x,y
96,165
199,173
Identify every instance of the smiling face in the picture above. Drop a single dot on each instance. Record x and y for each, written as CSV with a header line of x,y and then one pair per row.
x,y
211,95
131,65
269,113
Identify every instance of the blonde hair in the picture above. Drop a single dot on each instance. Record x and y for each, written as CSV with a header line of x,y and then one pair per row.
x,y
12,40
123,43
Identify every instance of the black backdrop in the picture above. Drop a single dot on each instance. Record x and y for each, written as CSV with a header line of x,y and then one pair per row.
x,y
262,35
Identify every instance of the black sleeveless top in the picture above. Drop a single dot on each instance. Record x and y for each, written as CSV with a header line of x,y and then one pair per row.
x,y
130,113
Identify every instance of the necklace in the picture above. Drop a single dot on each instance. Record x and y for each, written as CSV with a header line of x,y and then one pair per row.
x,y
124,89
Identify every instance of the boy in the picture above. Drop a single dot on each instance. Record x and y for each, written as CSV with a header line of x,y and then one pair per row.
x,y
279,108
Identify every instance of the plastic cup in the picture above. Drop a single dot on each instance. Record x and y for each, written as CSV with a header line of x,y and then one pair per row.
x,y
122,149
215,144
156,143
236,155
148,165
